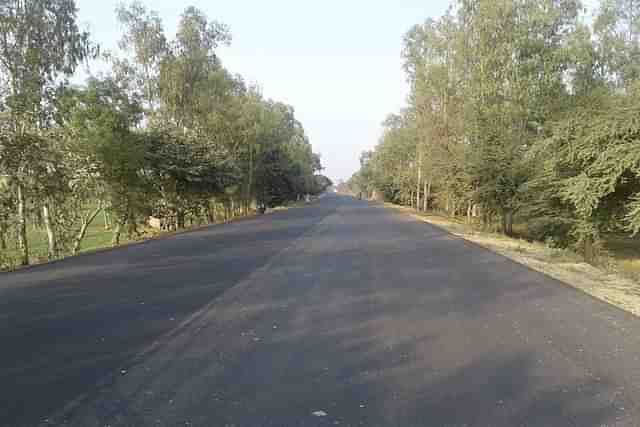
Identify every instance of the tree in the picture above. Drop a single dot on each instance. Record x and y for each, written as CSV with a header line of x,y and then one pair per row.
x,y
593,177
108,156
168,132
188,70
616,30
144,36
39,41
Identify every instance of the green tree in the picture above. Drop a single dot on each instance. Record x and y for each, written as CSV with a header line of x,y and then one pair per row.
x,y
108,156
144,36
39,41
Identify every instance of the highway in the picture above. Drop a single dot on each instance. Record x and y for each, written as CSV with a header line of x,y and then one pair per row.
x,y
338,313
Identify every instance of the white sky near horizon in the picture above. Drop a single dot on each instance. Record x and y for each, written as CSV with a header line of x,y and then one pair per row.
x,y
336,62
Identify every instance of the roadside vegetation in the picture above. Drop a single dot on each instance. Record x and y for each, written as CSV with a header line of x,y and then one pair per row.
x,y
165,139
522,133
523,118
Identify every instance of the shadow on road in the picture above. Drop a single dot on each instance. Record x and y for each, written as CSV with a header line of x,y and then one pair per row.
x,y
66,326
373,328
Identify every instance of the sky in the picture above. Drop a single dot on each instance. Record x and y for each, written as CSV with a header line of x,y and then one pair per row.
x,y
336,62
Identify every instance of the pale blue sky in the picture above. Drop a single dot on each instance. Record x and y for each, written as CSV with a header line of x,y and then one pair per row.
x,y
337,62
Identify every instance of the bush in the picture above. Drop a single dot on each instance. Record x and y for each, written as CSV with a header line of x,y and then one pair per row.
x,y
7,262
555,232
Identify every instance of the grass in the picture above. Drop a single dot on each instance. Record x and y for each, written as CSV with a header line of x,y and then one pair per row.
x,y
97,237
625,252
617,284
290,205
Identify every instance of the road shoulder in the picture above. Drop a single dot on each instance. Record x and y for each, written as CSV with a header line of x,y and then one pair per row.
x,y
561,265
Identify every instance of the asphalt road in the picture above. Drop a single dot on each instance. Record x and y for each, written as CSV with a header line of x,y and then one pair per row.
x,y
340,313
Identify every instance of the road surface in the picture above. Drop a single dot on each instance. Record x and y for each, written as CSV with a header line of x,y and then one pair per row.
x,y
339,313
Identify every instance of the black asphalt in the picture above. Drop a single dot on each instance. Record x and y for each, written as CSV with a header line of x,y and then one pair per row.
x,y
339,313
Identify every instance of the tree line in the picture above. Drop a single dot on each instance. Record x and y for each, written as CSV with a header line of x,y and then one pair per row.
x,y
166,132
520,111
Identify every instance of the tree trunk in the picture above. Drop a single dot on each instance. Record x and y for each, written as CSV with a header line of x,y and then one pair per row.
x,y
37,222
507,222
179,219
589,250
52,252
418,187
3,240
427,194
86,222
107,219
250,181
22,227
115,241
132,225
469,212
211,216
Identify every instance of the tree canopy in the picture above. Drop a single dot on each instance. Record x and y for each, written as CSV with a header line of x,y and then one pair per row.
x,y
519,111
168,133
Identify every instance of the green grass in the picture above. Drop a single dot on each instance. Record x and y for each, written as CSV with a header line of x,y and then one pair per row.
x,y
97,237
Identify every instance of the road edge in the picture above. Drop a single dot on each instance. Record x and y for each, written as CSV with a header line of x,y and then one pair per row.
x,y
580,289
57,418
159,236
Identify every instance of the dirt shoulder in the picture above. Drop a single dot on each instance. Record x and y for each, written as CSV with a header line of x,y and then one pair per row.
x,y
560,264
